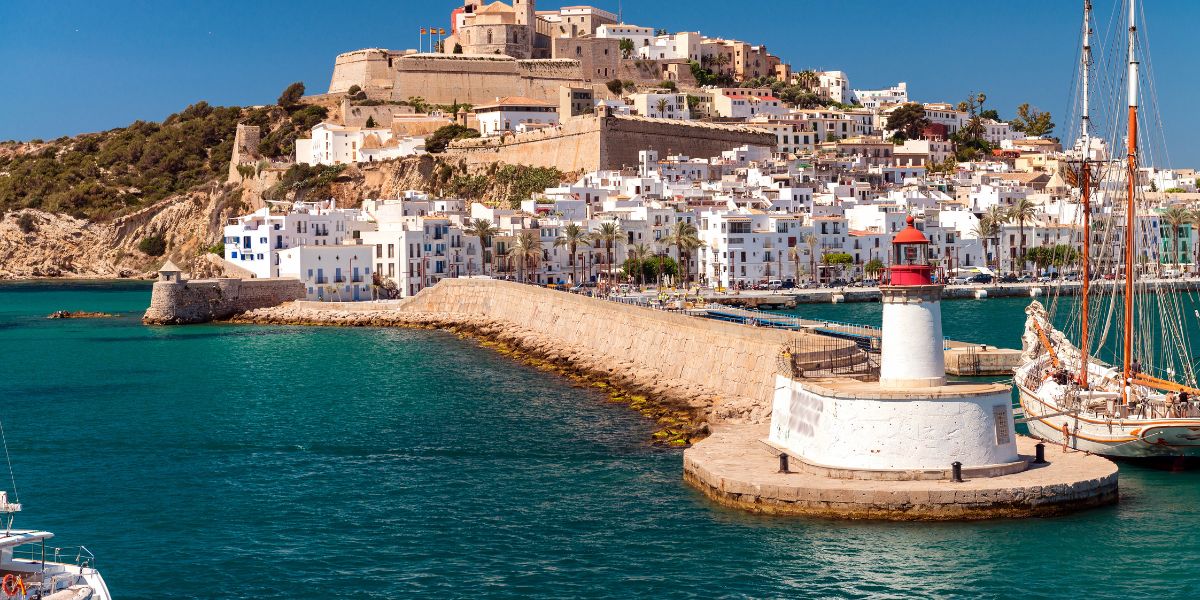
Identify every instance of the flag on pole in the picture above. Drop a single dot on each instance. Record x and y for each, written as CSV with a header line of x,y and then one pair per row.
x,y
422,31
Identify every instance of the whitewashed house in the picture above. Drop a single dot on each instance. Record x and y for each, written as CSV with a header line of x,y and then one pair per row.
x,y
515,113
330,273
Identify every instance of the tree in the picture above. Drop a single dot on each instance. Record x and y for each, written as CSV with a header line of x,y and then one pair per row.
x,y
811,241
633,266
1032,122
807,79
686,239
908,121
626,46
873,267
291,95
609,234
990,113
440,139
356,93
669,85
153,245
795,254
573,235
986,229
485,231
661,105
371,122
527,250
1174,218
457,48
839,260
1022,211
615,86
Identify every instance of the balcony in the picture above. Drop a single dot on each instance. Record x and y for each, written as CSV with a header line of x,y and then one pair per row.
x,y
322,280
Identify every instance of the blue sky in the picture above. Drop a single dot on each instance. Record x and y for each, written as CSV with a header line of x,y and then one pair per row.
x,y
72,66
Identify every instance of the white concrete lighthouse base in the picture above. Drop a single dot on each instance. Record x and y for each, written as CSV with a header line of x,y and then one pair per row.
x,y
844,424
912,350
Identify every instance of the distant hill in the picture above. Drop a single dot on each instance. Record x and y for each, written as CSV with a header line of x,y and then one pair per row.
x,y
103,175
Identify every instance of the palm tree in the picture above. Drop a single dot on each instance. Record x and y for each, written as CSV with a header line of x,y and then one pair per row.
x,y
985,230
526,249
686,239
1022,211
626,47
662,105
608,234
1175,217
795,254
807,79
485,231
573,235
638,254
810,240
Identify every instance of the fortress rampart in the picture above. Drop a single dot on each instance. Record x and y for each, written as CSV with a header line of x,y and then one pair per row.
x,y
593,143
204,300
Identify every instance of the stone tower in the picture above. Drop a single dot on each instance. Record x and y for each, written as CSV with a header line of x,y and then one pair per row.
x,y
526,13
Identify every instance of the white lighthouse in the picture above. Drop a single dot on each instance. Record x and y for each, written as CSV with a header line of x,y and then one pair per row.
x,y
913,351
911,423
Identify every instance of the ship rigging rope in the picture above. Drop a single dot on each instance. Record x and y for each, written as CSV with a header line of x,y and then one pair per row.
x,y
8,460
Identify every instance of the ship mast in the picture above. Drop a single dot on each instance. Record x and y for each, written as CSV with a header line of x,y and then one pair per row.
x,y
1131,206
1084,180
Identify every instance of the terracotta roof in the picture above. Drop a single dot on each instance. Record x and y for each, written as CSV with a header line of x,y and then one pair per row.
x,y
495,7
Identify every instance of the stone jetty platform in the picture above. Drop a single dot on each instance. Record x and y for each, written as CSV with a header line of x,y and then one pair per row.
x,y
736,468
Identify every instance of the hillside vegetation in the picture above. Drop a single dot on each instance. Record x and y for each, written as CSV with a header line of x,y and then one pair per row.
x,y
102,175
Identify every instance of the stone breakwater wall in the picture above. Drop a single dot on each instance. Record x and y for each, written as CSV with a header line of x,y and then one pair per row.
x,y
721,371
204,300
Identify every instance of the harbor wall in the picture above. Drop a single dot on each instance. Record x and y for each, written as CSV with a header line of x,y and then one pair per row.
x,y
204,300
738,363
728,369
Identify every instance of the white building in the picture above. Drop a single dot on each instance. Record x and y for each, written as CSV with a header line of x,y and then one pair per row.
x,y
253,241
515,113
746,103
834,85
873,99
331,273
661,105
333,144
420,241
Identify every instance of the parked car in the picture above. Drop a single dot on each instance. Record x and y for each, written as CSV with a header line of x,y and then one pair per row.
x,y
838,282
958,280
980,278
1010,278
789,284
775,284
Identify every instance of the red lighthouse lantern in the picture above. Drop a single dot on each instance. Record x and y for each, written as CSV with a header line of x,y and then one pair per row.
x,y
910,258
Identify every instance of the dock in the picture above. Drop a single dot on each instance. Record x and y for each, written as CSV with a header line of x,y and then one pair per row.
x,y
964,359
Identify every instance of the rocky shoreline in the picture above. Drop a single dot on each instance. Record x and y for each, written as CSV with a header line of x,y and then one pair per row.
x,y
680,414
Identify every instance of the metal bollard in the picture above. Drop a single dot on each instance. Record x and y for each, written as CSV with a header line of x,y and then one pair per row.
x,y
956,472
783,463
1039,456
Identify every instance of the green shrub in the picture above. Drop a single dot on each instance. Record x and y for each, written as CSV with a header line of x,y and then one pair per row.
x,y
26,223
153,245
441,138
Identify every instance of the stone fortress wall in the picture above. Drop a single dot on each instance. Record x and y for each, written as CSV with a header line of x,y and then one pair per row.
x,y
590,143
449,78
204,300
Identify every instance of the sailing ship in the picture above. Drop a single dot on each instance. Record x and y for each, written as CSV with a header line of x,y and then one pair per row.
x,y
1135,407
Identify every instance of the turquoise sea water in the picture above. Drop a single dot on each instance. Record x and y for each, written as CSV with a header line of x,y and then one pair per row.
x,y
275,462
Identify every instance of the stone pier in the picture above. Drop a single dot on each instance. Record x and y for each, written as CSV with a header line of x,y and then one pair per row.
x,y
736,468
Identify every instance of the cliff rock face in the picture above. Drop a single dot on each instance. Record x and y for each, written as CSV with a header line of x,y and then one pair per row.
x,y
64,246
58,245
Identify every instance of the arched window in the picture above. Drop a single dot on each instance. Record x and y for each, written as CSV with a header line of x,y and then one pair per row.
x,y
489,36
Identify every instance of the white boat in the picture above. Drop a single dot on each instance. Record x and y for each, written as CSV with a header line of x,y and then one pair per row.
x,y
1125,410
30,568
